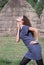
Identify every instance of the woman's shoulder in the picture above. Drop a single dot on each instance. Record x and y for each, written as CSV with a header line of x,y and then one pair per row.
x,y
26,26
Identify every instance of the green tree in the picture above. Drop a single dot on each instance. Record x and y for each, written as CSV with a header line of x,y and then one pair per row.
x,y
2,3
35,1
38,5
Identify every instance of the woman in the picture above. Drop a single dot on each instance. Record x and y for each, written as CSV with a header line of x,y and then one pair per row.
x,y
29,36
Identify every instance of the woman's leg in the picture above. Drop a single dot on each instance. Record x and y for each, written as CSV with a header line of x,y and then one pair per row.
x,y
24,61
39,62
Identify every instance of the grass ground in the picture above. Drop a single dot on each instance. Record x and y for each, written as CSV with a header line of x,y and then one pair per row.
x,y
11,53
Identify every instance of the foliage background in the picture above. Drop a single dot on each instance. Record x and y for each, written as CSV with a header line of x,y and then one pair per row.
x,y
37,5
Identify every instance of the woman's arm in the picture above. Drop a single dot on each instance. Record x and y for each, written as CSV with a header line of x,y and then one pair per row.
x,y
17,36
35,30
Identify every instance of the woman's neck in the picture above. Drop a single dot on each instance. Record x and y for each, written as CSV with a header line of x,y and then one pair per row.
x,y
22,26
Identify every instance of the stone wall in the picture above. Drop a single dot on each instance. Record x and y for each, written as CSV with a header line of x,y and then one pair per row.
x,y
42,24
11,11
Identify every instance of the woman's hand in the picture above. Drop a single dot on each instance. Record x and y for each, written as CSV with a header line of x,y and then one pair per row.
x,y
18,25
33,42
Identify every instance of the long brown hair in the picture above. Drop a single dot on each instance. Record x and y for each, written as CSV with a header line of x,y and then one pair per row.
x,y
27,22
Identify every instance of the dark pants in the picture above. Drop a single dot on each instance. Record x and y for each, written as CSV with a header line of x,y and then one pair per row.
x,y
26,60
